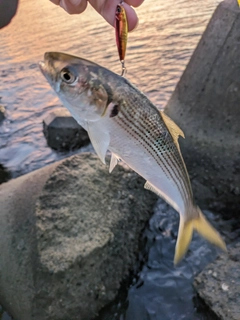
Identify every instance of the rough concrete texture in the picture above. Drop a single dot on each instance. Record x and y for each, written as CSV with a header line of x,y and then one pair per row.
x,y
69,235
62,131
206,105
219,285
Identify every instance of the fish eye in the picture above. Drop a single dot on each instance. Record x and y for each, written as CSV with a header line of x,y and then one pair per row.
x,y
67,76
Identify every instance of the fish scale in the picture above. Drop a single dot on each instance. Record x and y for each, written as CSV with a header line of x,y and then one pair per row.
x,y
157,141
120,118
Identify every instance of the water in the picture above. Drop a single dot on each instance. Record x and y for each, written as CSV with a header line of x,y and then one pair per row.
x,y
157,54
161,291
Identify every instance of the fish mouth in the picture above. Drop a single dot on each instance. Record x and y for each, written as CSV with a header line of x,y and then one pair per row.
x,y
44,67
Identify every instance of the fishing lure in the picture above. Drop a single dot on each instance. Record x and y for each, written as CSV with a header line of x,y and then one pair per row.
x,y
121,29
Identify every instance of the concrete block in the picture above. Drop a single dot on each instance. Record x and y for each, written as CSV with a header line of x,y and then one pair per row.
x,y
206,105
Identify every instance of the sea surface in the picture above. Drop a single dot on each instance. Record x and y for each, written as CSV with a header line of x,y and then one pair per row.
x,y
157,54
158,51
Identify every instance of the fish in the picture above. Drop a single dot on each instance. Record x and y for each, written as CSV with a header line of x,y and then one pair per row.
x,y
121,33
120,118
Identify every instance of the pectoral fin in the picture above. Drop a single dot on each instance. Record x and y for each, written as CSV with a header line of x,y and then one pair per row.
x,y
99,137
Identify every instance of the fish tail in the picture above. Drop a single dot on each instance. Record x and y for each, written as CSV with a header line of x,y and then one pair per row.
x,y
203,227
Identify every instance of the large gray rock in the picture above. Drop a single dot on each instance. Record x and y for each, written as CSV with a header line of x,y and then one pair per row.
x,y
206,105
2,113
219,285
62,131
69,235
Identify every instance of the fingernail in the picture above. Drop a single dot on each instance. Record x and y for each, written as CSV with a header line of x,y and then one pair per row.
x,y
75,2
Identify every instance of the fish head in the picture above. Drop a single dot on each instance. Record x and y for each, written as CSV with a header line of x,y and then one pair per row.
x,y
80,84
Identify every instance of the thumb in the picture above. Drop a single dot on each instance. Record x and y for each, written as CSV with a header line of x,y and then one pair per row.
x,y
73,6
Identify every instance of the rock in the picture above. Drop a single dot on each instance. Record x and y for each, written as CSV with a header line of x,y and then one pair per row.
x,y
205,104
219,285
69,235
63,132
5,175
5,316
2,113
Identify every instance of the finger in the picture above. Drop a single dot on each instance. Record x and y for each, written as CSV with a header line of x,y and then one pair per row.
x,y
55,2
107,9
134,3
132,17
73,6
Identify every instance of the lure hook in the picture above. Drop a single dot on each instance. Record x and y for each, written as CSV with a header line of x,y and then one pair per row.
x,y
124,69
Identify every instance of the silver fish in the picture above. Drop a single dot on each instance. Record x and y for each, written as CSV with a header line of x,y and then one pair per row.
x,y
120,118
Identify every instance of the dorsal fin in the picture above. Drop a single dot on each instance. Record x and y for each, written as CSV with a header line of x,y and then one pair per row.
x,y
173,129
175,133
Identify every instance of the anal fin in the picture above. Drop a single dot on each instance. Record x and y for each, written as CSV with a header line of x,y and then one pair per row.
x,y
150,187
114,161
161,194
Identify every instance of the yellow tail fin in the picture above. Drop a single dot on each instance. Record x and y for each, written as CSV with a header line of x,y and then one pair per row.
x,y
203,227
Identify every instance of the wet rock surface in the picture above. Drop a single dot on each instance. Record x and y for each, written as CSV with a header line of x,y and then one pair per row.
x,y
219,285
5,316
2,112
5,175
205,104
62,131
67,250
161,291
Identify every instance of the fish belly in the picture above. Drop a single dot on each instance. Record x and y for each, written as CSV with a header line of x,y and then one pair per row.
x,y
152,167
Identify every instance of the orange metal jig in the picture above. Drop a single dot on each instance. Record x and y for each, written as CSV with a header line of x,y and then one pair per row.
x,y
121,29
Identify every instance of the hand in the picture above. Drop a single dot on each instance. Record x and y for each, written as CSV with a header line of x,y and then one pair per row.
x,y
106,8
7,11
